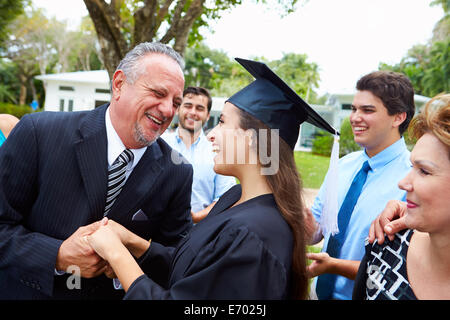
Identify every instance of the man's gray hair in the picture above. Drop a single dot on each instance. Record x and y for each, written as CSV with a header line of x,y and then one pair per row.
x,y
130,64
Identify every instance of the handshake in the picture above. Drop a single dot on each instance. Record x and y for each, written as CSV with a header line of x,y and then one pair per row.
x,y
91,247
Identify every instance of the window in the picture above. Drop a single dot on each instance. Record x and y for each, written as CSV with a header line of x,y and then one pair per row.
x,y
98,103
61,104
102,91
70,105
66,88
346,106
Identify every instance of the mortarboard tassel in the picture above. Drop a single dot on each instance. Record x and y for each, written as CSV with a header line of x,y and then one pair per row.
x,y
329,219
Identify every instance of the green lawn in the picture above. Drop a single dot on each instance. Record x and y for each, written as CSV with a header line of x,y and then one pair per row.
x,y
312,168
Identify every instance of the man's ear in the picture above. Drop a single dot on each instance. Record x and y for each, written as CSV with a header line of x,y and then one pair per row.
x,y
118,81
399,118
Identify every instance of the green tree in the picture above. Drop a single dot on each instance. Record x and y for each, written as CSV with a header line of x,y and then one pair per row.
x,y
9,10
38,45
85,54
436,77
26,49
302,76
214,70
206,67
428,65
235,78
121,24
223,76
9,85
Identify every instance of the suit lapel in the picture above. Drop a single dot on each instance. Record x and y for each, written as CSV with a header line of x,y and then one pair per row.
x,y
138,185
91,151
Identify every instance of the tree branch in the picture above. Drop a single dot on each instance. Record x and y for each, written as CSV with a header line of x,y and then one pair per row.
x,y
162,13
107,22
144,22
170,34
185,25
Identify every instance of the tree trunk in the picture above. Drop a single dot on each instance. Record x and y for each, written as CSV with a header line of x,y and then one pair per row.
x,y
23,90
185,25
33,88
106,20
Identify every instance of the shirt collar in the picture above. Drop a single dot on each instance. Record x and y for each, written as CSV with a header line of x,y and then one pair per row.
x,y
387,155
177,137
116,146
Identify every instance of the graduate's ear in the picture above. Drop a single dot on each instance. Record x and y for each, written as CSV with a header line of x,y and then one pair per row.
x,y
399,118
117,83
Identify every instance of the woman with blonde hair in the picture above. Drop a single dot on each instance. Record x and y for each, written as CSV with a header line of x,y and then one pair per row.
x,y
416,263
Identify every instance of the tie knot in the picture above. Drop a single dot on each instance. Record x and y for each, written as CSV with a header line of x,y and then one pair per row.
x,y
366,166
126,156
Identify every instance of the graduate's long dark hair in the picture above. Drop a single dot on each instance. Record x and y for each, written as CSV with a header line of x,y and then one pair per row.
x,y
287,191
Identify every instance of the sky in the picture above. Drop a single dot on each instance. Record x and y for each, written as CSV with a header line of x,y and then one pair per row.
x,y
346,38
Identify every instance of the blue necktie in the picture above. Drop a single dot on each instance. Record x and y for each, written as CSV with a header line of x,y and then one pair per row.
x,y
325,282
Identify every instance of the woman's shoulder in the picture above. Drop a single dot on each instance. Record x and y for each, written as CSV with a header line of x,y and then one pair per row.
x,y
401,240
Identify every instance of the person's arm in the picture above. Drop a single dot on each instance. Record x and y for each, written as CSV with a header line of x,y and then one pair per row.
x,y
74,251
323,263
314,215
212,272
7,123
313,231
24,252
200,215
390,221
153,262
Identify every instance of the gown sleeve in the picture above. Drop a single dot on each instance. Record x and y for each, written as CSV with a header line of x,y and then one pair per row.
x,y
235,265
156,262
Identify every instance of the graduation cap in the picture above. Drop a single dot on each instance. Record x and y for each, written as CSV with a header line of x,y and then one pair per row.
x,y
272,101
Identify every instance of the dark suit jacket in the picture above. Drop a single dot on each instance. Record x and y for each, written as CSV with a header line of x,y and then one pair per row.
x,y
53,177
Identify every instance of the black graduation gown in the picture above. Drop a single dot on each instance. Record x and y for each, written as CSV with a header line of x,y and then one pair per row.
x,y
243,252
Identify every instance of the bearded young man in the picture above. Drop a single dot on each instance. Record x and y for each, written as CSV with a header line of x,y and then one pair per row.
x,y
190,141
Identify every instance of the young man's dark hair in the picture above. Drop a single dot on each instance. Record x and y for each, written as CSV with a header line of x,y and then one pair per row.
x,y
394,90
199,91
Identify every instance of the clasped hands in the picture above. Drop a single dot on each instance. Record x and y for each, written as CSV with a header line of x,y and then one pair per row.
x,y
91,247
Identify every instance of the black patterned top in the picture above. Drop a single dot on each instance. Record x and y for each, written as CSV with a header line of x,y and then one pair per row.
x,y
382,274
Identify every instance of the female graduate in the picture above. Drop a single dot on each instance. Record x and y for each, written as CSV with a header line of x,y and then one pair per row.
x,y
252,243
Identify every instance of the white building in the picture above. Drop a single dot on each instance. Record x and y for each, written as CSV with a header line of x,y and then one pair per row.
x,y
86,90
75,91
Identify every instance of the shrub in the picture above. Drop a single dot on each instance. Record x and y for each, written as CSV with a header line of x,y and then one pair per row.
x,y
347,143
15,110
322,144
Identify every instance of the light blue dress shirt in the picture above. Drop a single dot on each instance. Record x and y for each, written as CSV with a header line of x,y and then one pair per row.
x,y
207,186
387,168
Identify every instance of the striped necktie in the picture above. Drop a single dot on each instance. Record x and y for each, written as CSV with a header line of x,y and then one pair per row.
x,y
326,281
116,178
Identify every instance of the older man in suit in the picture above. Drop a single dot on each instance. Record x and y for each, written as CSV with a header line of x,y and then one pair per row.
x,y
59,175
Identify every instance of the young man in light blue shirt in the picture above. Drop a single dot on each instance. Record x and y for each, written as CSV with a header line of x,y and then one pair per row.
x,y
381,111
190,140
